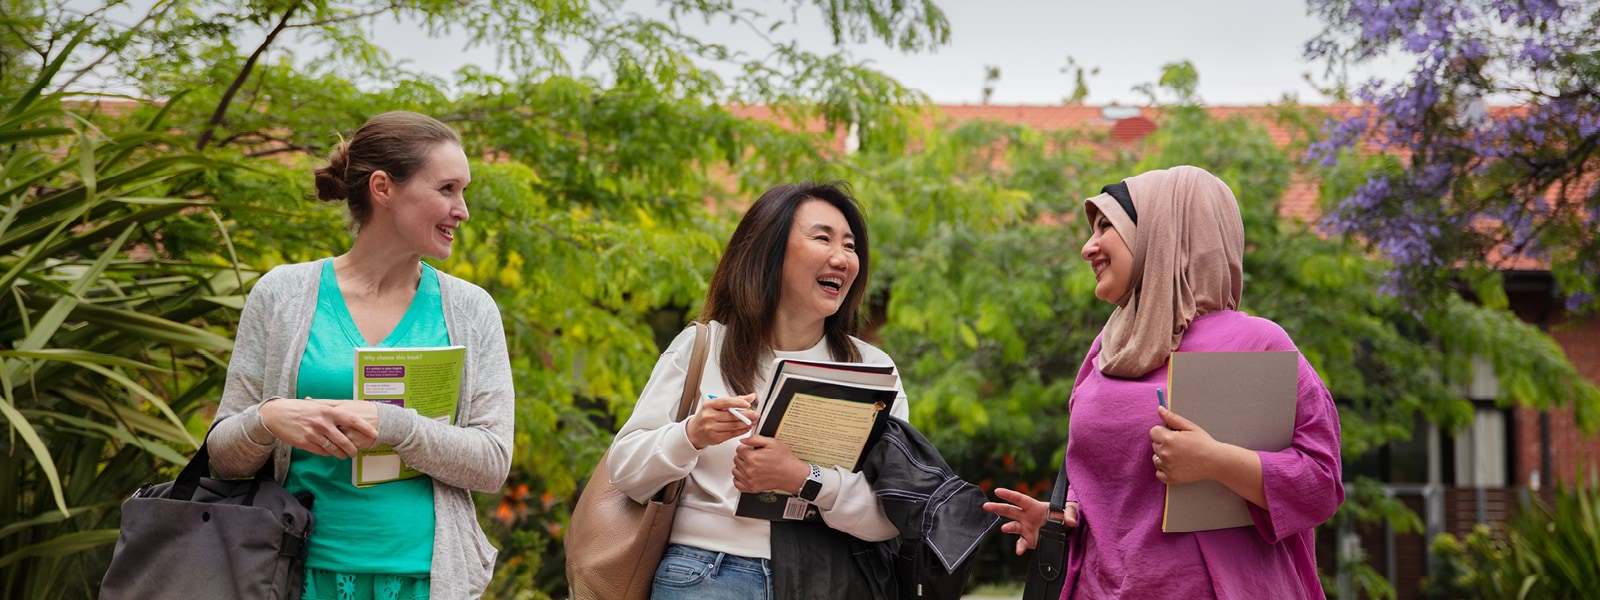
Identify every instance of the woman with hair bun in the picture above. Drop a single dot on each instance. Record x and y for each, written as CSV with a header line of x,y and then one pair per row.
x,y
402,175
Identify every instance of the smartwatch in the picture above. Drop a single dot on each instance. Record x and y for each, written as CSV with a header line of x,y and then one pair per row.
x,y
812,486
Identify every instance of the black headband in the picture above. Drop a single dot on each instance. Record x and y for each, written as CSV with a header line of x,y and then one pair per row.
x,y
1119,190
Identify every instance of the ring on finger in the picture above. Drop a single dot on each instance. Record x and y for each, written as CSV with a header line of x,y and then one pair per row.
x,y
326,442
1157,458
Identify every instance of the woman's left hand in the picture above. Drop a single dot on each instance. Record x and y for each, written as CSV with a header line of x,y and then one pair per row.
x,y
762,463
364,409
1182,451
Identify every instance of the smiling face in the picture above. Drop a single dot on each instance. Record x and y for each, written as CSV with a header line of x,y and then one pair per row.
x,y
1110,258
426,210
819,262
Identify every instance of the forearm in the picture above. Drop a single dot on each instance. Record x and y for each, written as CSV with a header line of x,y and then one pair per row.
x,y
475,458
1240,470
473,455
235,444
643,461
850,506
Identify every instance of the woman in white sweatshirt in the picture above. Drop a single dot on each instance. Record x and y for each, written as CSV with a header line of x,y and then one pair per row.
x,y
789,285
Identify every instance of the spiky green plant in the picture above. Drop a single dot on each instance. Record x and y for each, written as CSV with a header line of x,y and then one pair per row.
x,y
1546,552
106,345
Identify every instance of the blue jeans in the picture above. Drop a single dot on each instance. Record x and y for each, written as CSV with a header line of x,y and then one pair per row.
x,y
689,573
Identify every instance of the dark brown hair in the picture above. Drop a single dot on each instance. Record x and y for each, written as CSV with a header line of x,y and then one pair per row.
x,y
749,281
396,143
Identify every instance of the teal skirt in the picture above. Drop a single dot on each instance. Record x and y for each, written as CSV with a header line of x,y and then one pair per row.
x,y
331,585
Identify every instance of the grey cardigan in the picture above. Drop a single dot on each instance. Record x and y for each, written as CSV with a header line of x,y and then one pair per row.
x,y
474,454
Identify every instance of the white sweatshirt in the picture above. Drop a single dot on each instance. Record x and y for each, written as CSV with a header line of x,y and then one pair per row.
x,y
652,450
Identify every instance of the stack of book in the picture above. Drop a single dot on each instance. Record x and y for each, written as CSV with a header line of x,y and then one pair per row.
x,y
829,414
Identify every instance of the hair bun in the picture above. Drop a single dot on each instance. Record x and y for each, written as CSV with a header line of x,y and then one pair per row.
x,y
331,184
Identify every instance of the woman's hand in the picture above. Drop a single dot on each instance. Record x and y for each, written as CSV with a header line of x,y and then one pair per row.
x,y
1027,516
762,463
713,424
315,426
367,411
1182,451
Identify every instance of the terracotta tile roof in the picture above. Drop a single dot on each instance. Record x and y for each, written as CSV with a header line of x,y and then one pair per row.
x,y
1045,118
1129,124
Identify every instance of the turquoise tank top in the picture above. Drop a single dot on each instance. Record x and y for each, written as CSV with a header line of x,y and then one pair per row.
x,y
384,530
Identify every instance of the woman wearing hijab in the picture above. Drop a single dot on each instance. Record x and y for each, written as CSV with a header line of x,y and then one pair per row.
x,y
1167,248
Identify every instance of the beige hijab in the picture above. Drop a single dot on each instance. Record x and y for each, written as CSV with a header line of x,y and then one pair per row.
x,y
1188,260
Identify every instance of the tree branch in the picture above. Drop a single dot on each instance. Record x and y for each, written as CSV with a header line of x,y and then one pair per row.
x,y
350,17
282,150
11,25
244,75
158,10
558,235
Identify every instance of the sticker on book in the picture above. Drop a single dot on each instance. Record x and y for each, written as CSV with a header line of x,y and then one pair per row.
x,y
795,510
381,467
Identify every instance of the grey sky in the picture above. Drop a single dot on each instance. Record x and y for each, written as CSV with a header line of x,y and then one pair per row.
x,y
1246,51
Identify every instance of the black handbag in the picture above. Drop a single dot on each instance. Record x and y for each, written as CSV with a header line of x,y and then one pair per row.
x,y
199,537
1047,562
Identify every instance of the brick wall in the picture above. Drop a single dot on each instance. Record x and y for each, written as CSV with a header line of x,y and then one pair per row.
x,y
1572,453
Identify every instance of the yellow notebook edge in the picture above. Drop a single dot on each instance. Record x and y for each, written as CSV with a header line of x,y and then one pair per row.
x,y
1166,502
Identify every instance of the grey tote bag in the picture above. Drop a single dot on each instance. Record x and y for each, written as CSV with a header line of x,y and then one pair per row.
x,y
199,537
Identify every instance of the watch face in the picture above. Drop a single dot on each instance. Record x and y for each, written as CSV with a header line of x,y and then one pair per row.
x,y
810,489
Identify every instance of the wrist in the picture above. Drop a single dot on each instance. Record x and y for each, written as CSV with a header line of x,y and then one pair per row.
x,y
371,412
803,472
262,412
1220,461
688,431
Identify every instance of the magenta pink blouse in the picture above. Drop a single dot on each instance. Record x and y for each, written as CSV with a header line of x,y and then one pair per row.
x,y
1119,550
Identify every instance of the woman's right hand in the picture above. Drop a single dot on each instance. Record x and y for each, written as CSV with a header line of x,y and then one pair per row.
x,y
713,424
314,426
1027,516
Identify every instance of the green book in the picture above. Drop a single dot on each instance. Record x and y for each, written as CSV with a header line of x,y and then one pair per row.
x,y
426,381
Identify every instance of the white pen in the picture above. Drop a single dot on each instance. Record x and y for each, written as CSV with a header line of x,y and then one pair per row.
x,y
734,411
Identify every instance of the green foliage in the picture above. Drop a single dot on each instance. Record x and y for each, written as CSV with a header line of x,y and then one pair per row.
x,y
597,203
990,310
109,346
600,204
1545,552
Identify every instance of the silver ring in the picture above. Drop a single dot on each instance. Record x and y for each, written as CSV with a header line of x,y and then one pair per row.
x,y
326,442
1157,457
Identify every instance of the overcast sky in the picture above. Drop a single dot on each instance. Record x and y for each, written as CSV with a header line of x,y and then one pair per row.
x,y
1246,51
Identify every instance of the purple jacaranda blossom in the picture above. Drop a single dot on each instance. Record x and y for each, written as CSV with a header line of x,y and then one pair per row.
x,y
1341,134
1577,300
1536,53
1440,122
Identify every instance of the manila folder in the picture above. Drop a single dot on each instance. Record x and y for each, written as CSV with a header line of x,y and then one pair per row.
x,y
1242,398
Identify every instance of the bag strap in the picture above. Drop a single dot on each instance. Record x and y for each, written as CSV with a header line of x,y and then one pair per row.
x,y
1058,495
690,398
188,480
1049,560
697,369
